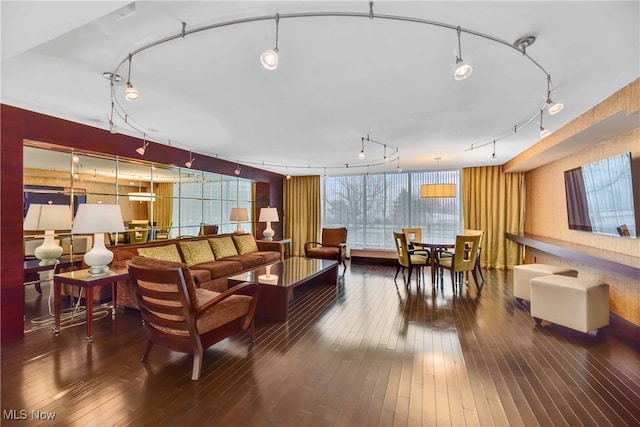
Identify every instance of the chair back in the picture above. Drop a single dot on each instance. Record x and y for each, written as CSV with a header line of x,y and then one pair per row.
x,y
140,231
208,229
334,236
402,248
464,258
470,232
167,305
414,235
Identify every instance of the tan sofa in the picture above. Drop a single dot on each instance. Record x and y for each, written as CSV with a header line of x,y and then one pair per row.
x,y
211,259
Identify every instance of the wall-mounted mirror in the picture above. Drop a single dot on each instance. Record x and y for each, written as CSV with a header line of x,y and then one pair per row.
x,y
157,202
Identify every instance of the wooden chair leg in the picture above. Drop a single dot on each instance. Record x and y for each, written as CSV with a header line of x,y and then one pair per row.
x,y
146,351
475,279
409,276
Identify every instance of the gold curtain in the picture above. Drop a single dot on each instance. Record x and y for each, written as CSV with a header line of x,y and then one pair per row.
x,y
163,206
493,201
302,211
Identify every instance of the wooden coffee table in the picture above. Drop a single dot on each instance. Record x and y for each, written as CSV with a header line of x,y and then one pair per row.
x,y
276,289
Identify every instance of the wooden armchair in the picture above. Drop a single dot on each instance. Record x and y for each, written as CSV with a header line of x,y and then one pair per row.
x,y
183,318
333,246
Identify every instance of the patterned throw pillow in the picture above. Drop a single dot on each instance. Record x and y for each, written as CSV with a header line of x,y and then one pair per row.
x,y
245,243
164,253
223,247
196,252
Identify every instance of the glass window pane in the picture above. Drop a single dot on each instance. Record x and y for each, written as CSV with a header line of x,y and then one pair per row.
x,y
373,206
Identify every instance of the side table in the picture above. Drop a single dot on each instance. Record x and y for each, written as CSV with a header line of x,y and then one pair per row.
x,y
84,279
33,266
286,243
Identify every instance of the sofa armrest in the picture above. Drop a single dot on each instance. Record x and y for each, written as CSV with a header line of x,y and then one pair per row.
x,y
275,246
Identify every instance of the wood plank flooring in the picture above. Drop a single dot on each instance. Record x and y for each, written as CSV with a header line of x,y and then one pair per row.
x,y
367,353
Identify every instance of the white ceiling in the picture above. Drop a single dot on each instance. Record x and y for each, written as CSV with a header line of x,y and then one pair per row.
x,y
339,78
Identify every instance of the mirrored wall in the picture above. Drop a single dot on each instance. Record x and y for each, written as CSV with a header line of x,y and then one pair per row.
x,y
157,201
171,201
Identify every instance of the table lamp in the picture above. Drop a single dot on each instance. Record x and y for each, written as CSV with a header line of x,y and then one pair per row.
x,y
268,215
98,219
48,218
239,215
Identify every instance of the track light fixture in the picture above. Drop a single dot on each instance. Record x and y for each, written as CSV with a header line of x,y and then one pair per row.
x,y
189,162
142,149
286,170
552,107
237,171
462,70
269,58
361,156
543,132
398,168
131,94
493,155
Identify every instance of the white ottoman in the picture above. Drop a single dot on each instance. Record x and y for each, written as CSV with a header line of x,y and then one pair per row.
x,y
522,275
578,304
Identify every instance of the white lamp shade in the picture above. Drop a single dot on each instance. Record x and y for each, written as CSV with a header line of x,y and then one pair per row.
x,y
239,214
47,217
98,218
268,215
437,190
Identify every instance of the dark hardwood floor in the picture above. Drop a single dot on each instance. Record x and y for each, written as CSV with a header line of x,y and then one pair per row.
x,y
366,354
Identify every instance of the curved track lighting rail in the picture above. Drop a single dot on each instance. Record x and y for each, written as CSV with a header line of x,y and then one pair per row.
x,y
519,47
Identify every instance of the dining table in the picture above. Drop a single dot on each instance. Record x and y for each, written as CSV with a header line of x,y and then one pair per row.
x,y
434,247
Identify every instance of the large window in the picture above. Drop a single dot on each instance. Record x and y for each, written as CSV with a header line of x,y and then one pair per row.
x,y
373,206
207,198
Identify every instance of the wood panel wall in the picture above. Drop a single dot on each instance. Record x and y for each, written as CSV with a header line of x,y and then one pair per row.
x,y
18,125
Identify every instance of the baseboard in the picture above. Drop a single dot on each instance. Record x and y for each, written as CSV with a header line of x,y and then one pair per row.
x,y
373,256
623,329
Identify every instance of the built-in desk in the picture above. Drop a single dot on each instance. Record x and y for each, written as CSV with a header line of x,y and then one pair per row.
x,y
599,259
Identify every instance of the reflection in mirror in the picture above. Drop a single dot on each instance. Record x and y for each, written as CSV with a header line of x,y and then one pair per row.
x,y
157,202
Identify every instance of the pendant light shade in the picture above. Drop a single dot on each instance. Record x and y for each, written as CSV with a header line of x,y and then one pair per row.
x,y
554,107
131,94
462,70
269,59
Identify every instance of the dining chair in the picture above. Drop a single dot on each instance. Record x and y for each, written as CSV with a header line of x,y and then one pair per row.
x,y
409,260
464,259
414,237
480,233
469,232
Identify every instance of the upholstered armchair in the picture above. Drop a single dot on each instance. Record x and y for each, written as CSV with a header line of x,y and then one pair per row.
x,y
208,229
181,317
333,246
